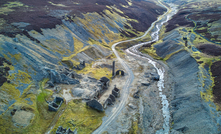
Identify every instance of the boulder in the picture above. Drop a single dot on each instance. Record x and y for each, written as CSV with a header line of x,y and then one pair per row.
x,y
50,84
136,94
145,84
64,77
132,106
155,76
73,81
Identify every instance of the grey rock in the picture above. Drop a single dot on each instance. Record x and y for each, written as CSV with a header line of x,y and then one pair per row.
x,y
50,83
145,84
78,92
57,89
175,132
132,106
155,76
189,112
136,94
73,81
152,94
64,77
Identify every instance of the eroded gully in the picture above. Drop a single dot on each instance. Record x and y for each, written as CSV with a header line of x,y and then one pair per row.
x,y
134,51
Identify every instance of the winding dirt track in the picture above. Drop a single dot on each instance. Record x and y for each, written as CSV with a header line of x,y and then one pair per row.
x,y
126,90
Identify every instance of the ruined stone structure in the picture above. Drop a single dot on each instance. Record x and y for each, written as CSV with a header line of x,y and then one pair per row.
x,y
116,91
80,66
102,85
57,89
60,76
62,130
113,69
120,72
105,82
55,104
95,104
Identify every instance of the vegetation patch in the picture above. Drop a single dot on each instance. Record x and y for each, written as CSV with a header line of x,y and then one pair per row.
x,y
135,129
78,115
210,49
178,20
96,72
40,117
152,53
215,69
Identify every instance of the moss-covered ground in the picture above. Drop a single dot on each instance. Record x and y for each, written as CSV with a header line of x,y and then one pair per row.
x,y
78,115
42,117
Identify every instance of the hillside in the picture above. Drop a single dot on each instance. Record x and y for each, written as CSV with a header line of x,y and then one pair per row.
x,y
190,45
110,66
39,40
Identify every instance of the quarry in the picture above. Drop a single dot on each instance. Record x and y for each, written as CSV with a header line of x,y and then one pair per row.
x,y
110,67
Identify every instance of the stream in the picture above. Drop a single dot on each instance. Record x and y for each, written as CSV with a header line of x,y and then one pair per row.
x,y
126,89
160,70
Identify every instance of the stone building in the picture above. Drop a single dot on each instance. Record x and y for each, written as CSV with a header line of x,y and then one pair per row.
x,y
55,104
62,130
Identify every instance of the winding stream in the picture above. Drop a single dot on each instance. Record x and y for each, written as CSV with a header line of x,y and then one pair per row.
x,y
160,70
126,89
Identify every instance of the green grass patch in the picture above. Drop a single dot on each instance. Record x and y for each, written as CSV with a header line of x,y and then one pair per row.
x,y
78,115
152,53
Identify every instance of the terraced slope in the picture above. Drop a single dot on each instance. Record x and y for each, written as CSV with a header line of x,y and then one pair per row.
x,y
189,45
39,38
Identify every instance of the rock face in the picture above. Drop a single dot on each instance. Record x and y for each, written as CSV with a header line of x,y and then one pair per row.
x,y
189,112
187,103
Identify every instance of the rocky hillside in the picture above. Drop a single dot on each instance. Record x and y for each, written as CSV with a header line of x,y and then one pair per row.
x,y
43,40
190,46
